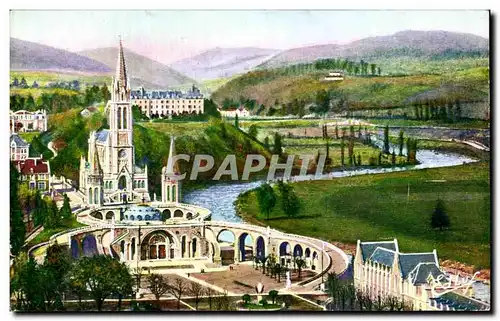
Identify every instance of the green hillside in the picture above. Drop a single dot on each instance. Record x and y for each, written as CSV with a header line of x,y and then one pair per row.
x,y
272,88
70,131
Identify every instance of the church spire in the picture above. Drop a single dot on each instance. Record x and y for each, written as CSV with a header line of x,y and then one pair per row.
x,y
171,168
121,71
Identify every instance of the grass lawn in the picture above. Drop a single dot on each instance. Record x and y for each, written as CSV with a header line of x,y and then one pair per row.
x,y
375,207
45,235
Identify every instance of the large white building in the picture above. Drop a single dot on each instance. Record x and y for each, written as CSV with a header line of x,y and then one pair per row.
x,y
164,103
109,173
27,121
380,269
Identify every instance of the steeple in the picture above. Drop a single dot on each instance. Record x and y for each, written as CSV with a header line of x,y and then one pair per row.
x,y
121,71
171,168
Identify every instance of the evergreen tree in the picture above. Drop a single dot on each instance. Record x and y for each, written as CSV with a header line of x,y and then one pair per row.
x,y
266,199
266,142
328,160
17,228
40,209
15,82
65,211
386,139
253,131
378,71
393,157
23,83
351,151
342,148
277,148
336,132
439,218
359,160
401,142
379,158
236,122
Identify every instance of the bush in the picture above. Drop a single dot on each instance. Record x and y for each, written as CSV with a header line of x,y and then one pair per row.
x,y
263,302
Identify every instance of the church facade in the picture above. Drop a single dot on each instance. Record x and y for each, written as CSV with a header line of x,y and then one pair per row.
x,y
109,174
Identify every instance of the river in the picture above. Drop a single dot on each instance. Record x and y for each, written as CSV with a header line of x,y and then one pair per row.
x,y
220,198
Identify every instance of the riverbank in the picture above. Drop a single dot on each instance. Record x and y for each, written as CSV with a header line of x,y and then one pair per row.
x,y
376,207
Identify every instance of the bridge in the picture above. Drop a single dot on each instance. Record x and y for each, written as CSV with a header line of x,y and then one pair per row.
x,y
189,244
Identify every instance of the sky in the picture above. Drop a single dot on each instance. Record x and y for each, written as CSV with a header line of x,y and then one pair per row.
x,y
167,36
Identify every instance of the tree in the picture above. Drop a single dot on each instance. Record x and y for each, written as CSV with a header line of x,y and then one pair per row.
x,y
195,290
273,294
39,210
300,263
336,132
342,148
236,122
378,71
278,270
373,68
386,139
246,298
350,149
209,292
17,228
401,142
439,218
277,148
15,82
322,102
177,289
266,142
253,131
289,201
266,199
65,211
102,275
393,157
158,285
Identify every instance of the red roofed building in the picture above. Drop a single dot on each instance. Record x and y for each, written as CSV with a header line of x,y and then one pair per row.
x,y
35,172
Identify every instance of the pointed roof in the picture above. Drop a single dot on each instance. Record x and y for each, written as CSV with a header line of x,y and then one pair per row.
x,y
121,70
171,168
367,248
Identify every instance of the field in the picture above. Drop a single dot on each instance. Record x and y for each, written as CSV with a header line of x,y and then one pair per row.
x,y
377,207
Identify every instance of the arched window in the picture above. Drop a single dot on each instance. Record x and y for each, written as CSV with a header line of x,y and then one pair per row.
x,y
168,193
174,194
139,217
124,117
119,118
122,182
90,195
194,250
96,195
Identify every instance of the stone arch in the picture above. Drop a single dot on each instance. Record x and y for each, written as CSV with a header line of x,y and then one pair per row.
x,y
260,247
98,215
297,251
75,251
242,247
89,245
285,248
314,260
189,215
178,213
308,252
166,214
96,196
110,215
227,252
157,245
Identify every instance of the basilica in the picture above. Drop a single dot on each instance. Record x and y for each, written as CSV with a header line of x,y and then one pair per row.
x,y
109,174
